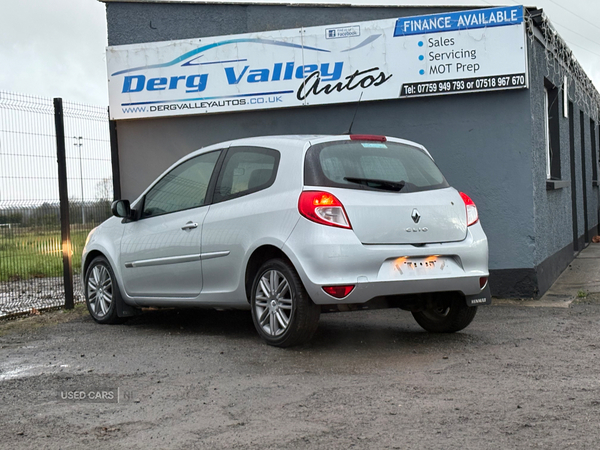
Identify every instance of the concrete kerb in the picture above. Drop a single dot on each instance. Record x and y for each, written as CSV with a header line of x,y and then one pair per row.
x,y
580,278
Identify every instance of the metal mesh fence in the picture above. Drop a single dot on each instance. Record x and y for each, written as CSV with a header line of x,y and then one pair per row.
x,y
30,224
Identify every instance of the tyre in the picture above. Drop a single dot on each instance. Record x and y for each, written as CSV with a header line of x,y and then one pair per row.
x,y
102,292
446,315
283,313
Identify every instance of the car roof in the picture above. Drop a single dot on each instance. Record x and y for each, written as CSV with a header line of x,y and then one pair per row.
x,y
297,140
292,141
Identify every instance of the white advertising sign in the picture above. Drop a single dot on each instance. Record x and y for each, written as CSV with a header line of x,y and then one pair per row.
x,y
467,51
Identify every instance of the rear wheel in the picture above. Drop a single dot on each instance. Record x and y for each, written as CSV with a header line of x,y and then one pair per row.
x,y
102,292
283,313
446,316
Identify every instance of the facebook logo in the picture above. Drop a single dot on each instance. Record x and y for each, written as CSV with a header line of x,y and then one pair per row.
x,y
342,32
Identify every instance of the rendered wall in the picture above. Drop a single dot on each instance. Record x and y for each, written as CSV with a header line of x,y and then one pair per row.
x,y
131,23
553,235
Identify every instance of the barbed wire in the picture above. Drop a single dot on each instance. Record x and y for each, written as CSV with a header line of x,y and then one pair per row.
x,y
561,61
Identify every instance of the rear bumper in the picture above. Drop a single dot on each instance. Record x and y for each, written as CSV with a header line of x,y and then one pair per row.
x,y
326,256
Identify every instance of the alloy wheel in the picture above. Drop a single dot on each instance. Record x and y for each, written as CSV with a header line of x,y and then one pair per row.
x,y
100,290
273,303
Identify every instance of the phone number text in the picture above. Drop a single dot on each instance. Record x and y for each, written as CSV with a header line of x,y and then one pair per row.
x,y
464,85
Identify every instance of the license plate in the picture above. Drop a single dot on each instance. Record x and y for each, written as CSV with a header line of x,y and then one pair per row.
x,y
416,267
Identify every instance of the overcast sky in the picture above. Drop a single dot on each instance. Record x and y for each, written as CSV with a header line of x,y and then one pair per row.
x,y
56,48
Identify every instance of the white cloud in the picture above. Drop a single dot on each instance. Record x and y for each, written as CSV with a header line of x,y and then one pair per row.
x,y
54,49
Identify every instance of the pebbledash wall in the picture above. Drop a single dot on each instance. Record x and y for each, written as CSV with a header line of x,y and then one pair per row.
x,y
491,145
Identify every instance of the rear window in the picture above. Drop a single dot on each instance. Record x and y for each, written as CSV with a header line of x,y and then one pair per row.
x,y
372,165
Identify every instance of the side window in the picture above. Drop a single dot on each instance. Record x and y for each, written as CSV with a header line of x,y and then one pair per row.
x,y
552,126
246,170
184,187
594,150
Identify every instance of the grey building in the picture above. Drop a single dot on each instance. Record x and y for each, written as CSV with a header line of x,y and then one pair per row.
x,y
527,157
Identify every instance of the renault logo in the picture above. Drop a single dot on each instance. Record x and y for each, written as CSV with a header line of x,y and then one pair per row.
x,y
415,216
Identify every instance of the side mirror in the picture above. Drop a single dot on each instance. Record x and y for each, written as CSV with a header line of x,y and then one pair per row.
x,y
121,208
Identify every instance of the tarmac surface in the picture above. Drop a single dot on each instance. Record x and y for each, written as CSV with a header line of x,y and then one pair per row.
x,y
517,377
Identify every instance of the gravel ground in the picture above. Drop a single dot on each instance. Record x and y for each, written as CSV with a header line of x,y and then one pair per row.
x,y
39,293
518,377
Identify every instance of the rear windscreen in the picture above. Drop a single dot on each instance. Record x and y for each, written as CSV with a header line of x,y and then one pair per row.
x,y
371,165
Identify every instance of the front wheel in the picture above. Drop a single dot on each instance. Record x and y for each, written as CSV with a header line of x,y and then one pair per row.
x,y
446,316
102,292
283,313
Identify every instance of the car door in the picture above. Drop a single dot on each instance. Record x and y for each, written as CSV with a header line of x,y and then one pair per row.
x,y
243,208
160,252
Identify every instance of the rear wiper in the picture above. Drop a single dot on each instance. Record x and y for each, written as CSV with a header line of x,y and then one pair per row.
x,y
378,184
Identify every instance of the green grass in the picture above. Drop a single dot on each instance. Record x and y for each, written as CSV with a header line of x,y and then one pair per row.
x,y
29,253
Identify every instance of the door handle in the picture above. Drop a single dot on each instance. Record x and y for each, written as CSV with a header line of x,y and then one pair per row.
x,y
189,226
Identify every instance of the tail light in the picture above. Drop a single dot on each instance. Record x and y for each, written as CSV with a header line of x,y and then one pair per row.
x,y
324,208
472,214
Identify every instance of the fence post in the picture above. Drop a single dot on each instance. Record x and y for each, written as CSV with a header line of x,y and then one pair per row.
x,y
114,155
63,194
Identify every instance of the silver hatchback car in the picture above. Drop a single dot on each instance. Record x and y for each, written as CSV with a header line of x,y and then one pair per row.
x,y
292,226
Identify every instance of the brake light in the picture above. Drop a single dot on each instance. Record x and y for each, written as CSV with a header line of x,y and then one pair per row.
x,y
367,137
339,291
482,282
324,208
472,214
